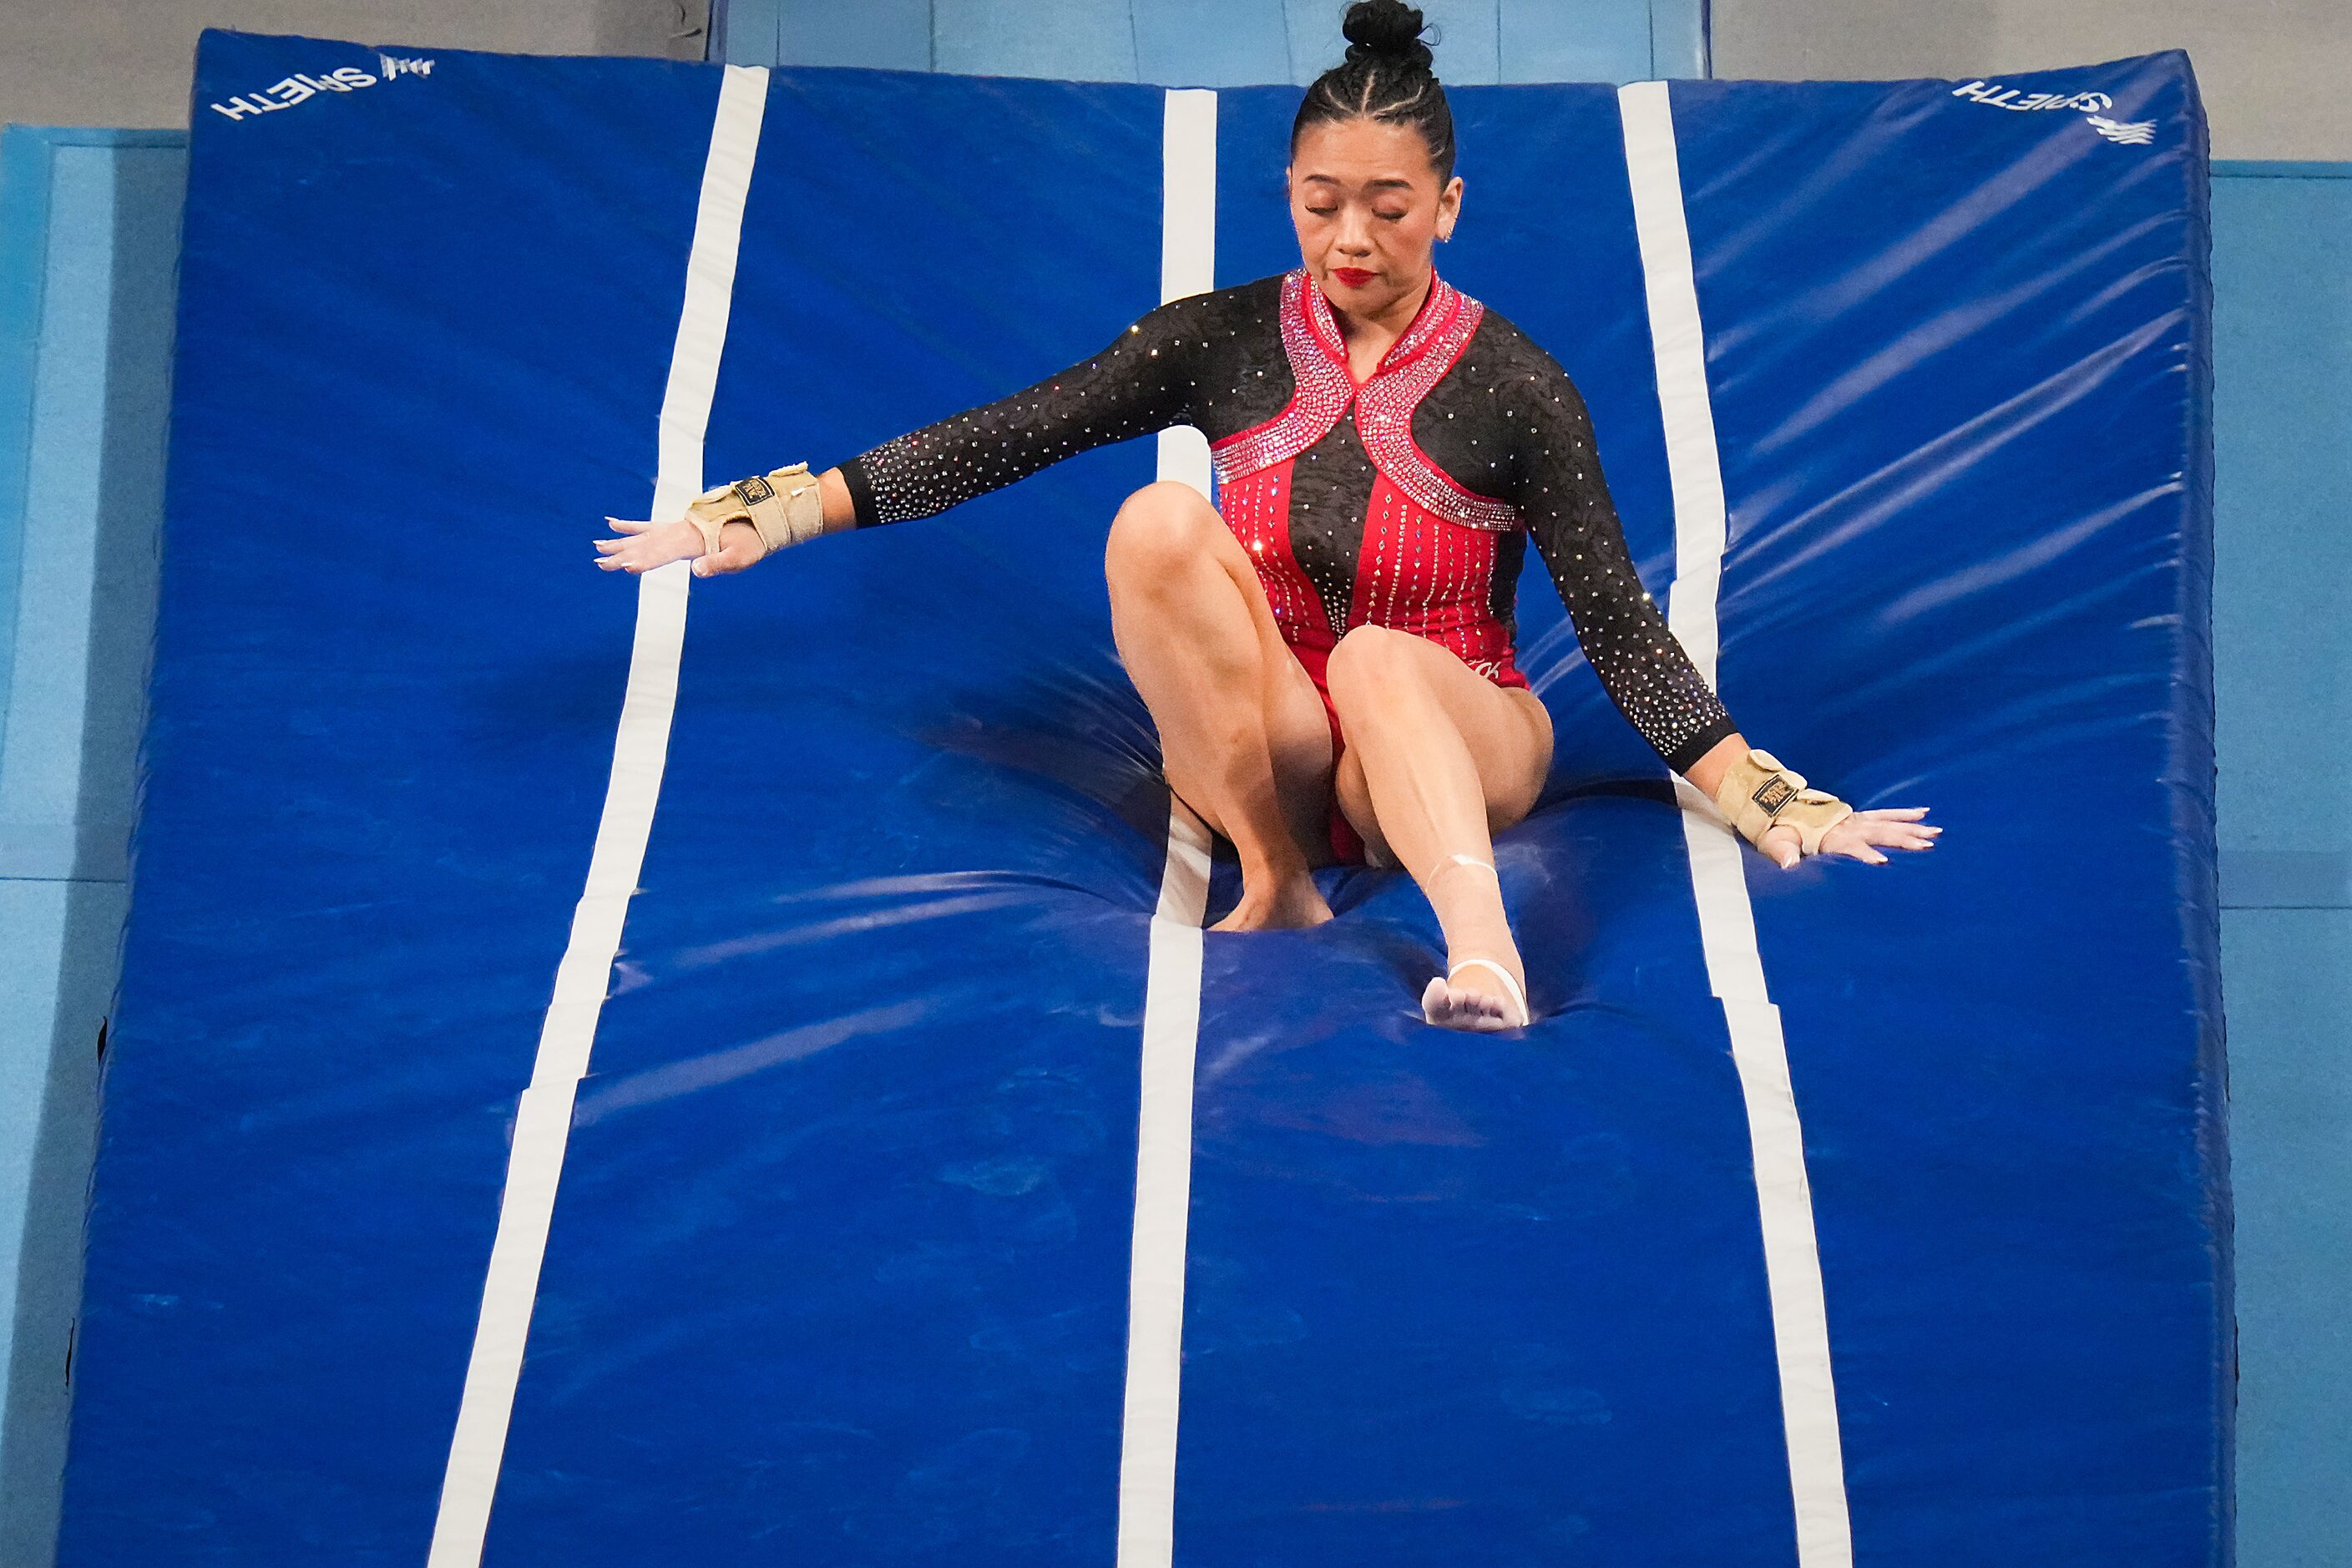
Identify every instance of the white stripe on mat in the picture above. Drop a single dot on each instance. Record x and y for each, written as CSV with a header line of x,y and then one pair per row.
x,y
543,1117
1792,1264
1171,987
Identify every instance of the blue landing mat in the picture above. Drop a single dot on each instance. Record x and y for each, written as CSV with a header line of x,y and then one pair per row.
x,y
839,1268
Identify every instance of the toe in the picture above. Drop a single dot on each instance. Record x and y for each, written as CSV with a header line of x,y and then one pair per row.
x,y
1456,1007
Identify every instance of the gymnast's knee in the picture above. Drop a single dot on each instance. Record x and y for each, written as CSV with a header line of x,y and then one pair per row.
x,y
1159,530
1366,662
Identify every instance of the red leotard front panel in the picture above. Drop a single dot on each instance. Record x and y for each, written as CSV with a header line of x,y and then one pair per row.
x,y
1434,577
1257,508
1430,548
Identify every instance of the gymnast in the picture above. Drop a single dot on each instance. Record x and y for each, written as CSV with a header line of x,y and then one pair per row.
x,y
1329,663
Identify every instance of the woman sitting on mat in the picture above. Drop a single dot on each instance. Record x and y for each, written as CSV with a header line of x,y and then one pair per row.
x,y
1329,663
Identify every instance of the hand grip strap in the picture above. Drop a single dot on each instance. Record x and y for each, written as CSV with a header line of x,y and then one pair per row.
x,y
784,506
1758,793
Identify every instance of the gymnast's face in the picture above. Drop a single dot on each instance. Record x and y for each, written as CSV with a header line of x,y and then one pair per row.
x,y
1369,207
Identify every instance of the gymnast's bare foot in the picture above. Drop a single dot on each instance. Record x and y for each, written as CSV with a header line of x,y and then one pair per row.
x,y
1481,996
1278,903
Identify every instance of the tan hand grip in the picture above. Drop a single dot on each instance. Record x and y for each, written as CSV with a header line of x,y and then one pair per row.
x,y
784,506
1758,793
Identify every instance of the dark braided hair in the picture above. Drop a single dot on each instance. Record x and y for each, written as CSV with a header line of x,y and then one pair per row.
x,y
1386,77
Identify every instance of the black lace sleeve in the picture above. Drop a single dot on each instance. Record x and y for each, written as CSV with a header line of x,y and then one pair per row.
x,y
1143,381
1555,481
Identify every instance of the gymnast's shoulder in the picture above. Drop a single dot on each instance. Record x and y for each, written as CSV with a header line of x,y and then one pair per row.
x,y
1500,339
1501,356
1239,309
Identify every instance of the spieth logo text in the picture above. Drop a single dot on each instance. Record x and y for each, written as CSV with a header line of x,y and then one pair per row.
x,y
302,87
1992,95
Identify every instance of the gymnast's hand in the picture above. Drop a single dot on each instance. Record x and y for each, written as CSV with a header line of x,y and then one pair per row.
x,y
652,544
734,526
1860,836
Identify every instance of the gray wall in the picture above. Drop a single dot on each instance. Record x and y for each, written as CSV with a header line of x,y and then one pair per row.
x,y
2283,677
126,62
2273,71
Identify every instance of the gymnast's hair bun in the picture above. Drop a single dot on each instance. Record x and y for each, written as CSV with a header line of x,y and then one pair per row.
x,y
1386,31
1387,77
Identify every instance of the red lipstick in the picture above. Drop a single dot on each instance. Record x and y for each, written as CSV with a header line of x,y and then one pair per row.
x,y
1353,277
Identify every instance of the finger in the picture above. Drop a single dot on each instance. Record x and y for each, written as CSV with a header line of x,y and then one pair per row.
x,y
628,526
1870,856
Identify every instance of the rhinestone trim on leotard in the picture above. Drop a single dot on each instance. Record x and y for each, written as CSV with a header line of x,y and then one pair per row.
x,y
1384,404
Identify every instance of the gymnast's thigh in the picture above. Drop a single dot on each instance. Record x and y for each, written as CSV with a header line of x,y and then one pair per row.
x,y
1161,527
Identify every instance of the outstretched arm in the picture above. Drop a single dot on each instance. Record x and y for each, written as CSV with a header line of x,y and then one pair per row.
x,y
1140,382
646,544
1560,491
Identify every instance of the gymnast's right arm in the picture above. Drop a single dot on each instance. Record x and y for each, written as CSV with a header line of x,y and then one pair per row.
x,y
1140,383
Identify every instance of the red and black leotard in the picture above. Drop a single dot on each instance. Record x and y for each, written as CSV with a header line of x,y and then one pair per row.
x,y
1404,502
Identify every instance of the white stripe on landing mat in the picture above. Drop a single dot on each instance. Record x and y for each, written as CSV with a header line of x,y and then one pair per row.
x,y
1792,1264
1171,987
543,1116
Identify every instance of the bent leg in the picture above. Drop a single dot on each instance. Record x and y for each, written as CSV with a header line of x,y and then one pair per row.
x,y
1243,737
1438,760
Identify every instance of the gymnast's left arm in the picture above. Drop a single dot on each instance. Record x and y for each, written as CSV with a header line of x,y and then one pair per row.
x,y
1560,494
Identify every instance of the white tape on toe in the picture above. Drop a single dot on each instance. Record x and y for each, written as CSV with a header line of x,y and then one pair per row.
x,y
1510,984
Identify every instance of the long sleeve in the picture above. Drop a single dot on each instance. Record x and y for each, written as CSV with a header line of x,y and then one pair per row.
x,y
1557,485
1142,382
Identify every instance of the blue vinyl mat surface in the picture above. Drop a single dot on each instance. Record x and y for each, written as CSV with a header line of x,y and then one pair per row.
x,y
838,1271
